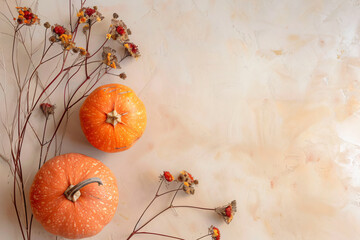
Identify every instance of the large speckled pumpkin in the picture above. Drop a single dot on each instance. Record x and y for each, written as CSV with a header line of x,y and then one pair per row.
x,y
113,118
74,196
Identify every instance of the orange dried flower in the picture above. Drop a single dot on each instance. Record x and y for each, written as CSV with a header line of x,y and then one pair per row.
x,y
83,52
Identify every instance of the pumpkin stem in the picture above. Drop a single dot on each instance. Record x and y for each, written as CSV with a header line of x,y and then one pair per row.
x,y
73,192
114,117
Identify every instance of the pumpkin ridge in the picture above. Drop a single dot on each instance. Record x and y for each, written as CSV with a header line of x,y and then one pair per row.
x,y
58,211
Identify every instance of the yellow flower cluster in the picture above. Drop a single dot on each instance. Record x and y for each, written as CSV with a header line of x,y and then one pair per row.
x,y
66,41
109,62
80,14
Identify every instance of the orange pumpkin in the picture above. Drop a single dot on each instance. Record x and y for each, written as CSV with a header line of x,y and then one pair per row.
x,y
113,118
74,196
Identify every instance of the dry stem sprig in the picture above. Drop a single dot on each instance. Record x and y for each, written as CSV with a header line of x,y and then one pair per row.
x,y
34,94
186,183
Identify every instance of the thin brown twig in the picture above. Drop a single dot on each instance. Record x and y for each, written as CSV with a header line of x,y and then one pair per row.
x,y
160,234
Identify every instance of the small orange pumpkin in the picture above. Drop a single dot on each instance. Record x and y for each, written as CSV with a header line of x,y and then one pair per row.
x,y
74,196
113,118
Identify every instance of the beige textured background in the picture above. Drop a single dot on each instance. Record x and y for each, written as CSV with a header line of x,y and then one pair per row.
x,y
259,100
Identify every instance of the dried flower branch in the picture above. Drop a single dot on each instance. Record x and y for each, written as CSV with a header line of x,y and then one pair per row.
x,y
184,179
36,89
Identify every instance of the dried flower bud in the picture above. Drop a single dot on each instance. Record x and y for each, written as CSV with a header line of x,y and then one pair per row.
x,y
83,52
196,182
52,39
227,211
122,76
85,28
115,15
75,50
47,109
95,8
128,31
47,25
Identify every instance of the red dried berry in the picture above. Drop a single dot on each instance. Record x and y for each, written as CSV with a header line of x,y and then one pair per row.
x,y
59,30
28,15
120,30
168,177
228,211
89,11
